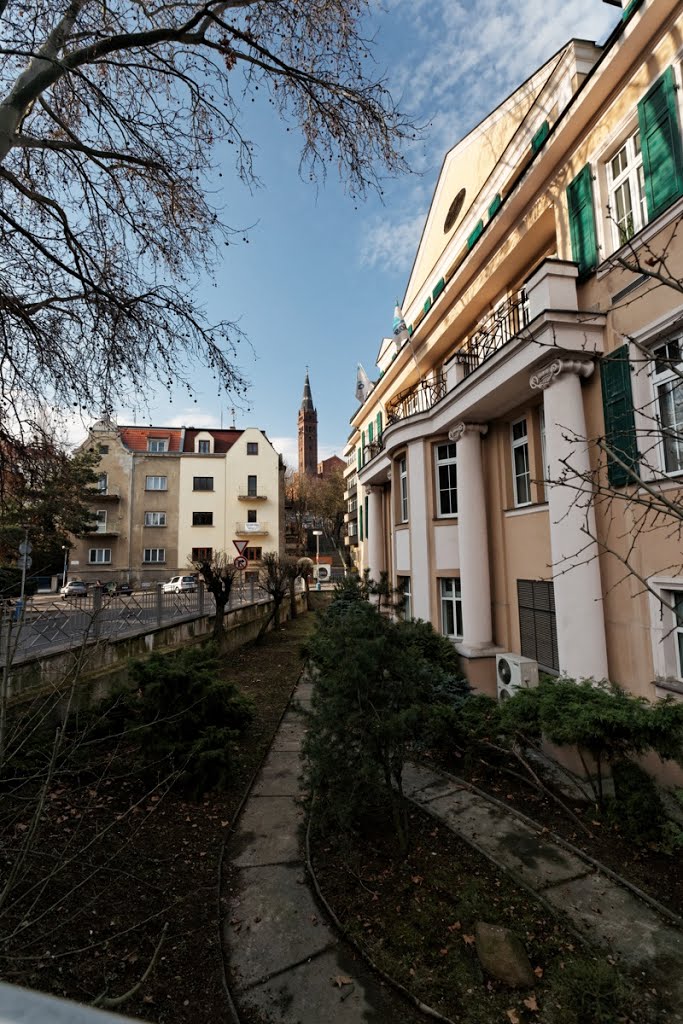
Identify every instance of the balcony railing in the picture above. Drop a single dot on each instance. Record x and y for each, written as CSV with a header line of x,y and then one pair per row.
x,y
373,448
419,398
242,529
495,331
245,494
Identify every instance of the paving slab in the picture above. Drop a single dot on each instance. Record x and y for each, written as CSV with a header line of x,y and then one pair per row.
x,y
443,788
608,914
268,832
416,778
307,994
274,923
507,839
290,735
280,775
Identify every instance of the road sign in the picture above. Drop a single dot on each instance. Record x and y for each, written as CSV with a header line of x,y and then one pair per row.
x,y
25,548
241,546
24,562
240,562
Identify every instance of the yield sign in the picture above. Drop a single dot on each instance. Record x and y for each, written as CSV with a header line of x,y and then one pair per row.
x,y
241,546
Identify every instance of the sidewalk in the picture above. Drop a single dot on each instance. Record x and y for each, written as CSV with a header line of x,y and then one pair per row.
x,y
602,910
283,958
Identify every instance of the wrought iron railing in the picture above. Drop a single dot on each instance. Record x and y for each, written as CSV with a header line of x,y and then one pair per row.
x,y
373,448
495,331
420,398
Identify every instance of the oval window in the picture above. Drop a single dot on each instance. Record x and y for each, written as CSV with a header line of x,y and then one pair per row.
x,y
454,210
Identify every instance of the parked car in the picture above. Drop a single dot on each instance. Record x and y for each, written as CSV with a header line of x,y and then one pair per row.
x,y
123,588
112,588
180,585
74,588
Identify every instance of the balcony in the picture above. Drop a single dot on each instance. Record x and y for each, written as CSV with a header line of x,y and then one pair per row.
x,y
244,494
250,529
109,494
419,398
493,333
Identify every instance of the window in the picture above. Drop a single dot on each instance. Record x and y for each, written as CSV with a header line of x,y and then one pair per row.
x,y
521,479
204,447
99,556
626,183
202,518
403,586
202,483
156,483
251,515
252,447
403,490
102,483
155,519
157,444
451,607
669,393
545,468
446,480
101,520
252,489
676,600
202,554
104,449
155,555
537,626
253,554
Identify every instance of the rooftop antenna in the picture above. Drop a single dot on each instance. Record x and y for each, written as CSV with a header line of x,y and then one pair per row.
x,y
233,419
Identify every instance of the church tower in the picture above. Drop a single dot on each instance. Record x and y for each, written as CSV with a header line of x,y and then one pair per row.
x,y
308,433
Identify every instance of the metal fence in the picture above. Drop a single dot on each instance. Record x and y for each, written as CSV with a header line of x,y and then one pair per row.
x,y
44,625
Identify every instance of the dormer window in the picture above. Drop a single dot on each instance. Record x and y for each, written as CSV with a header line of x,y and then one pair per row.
x,y
157,444
204,447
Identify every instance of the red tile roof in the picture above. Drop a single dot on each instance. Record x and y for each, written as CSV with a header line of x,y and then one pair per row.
x,y
136,438
223,440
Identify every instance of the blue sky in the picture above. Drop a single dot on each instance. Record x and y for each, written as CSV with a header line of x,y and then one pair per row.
x,y
317,281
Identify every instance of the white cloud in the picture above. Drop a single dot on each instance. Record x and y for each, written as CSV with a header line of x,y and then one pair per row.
x,y
391,244
288,448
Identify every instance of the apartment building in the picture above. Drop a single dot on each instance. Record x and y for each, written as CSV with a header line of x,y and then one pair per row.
x,y
169,496
519,457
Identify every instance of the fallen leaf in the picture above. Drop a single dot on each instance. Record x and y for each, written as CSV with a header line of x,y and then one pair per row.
x,y
468,940
513,1016
455,927
531,1003
538,971
417,879
314,920
340,980
444,951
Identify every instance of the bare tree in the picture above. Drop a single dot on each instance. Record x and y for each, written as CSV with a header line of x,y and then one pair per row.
x,y
274,577
219,576
109,116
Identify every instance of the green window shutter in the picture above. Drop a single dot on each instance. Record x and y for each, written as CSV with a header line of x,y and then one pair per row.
x,y
438,288
582,221
379,424
540,137
617,404
359,453
362,447
367,518
660,140
360,521
630,9
495,206
371,432
475,235
428,304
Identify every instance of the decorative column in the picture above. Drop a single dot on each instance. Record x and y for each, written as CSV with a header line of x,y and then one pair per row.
x,y
576,570
475,584
375,532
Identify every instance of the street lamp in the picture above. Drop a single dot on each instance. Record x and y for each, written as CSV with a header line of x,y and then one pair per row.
x,y
317,534
65,549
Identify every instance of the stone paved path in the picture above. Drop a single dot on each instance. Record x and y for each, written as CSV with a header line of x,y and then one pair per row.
x,y
283,957
601,909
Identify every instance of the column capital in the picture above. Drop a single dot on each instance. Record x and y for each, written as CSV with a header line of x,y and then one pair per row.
x,y
543,378
458,430
388,474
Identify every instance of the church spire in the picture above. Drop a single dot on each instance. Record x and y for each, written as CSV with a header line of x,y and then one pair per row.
x,y
307,400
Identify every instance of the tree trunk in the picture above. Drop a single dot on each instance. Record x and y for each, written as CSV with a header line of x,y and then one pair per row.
x,y
218,626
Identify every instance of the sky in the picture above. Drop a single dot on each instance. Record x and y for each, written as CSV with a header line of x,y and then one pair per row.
x,y
316,283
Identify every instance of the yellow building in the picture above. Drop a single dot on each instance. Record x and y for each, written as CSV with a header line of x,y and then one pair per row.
x,y
529,421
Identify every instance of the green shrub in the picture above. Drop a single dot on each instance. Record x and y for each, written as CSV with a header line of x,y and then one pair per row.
x,y
637,808
193,718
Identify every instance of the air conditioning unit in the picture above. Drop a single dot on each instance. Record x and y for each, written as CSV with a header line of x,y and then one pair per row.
x,y
513,673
